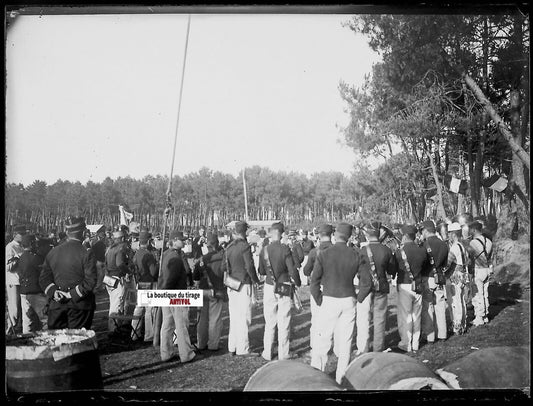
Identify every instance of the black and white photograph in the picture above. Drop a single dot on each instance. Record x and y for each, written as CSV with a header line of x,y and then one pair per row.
x,y
267,201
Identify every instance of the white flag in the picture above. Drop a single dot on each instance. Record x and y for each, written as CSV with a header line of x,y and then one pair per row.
x,y
125,217
454,185
500,185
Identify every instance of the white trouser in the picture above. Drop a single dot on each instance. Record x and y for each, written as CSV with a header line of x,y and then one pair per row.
x,y
314,321
147,320
335,320
313,330
428,327
240,318
375,304
277,311
434,313
456,297
209,327
176,321
304,278
13,303
440,312
409,315
116,302
481,292
33,318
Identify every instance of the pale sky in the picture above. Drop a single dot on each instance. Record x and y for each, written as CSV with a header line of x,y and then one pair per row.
x,y
96,96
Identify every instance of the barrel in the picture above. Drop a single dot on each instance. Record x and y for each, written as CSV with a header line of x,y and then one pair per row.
x,y
494,368
53,360
289,375
382,371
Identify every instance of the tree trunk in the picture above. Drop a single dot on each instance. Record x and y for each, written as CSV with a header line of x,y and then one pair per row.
x,y
517,149
441,213
473,194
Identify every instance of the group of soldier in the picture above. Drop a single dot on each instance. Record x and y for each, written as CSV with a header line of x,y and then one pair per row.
x,y
434,267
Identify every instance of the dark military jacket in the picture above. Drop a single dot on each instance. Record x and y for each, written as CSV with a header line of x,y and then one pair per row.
x,y
29,270
197,244
173,272
307,246
418,262
385,263
70,267
281,264
116,259
335,269
297,254
211,271
145,265
439,250
308,268
239,263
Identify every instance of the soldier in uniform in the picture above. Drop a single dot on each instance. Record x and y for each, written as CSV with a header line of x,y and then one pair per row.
x,y
413,262
480,249
239,264
199,242
175,318
275,262
307,245
117,267
434,285
296,249
177,251
68,278
458,277
335,269
208,276
99,248
464,220
373,289
324,231
146,273
87,239
13,252
263,241
33,300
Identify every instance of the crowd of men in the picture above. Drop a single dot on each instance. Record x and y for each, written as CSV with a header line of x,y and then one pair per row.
x,y
435,268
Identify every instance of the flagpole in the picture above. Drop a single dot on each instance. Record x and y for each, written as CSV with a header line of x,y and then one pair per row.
x,y
169,188
158,317
245,196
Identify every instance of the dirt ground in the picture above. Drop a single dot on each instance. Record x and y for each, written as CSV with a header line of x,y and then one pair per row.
x,y
137,367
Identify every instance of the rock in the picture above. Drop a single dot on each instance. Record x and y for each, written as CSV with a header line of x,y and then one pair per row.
x,y
489,368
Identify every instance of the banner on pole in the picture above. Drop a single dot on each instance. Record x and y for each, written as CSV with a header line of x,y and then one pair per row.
x,y
496,182
455,185
125,217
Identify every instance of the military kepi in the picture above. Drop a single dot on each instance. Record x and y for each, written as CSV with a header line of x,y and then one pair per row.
x,y
20,229
75,224
429,226
144,236
345,229
326,229
177,235
278,226
212,240
241,227
409,229
27,240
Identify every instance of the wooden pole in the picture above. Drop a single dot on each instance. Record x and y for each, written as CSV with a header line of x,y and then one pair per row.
x,y
245,196
158,319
